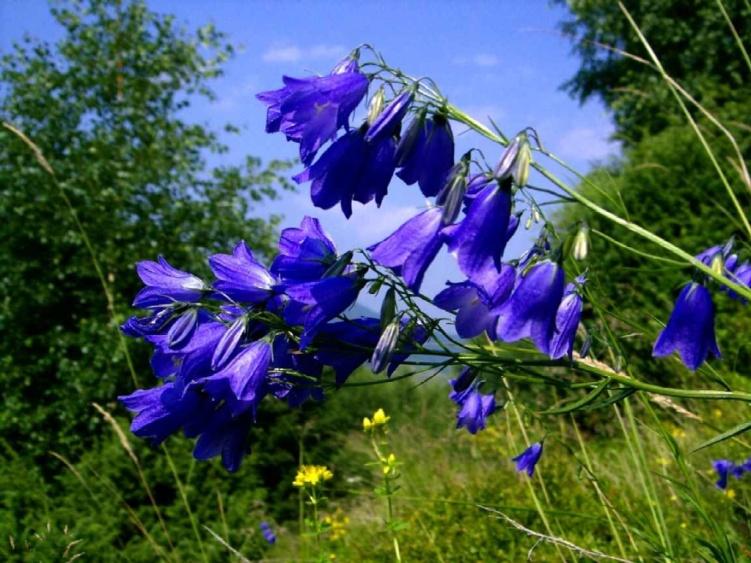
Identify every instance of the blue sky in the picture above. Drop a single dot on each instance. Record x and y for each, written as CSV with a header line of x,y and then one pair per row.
x,y
498,58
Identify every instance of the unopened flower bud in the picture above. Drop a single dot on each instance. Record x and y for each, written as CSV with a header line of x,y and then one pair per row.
x,y
385,347
718,264
580,248
515,161
376,105
520,172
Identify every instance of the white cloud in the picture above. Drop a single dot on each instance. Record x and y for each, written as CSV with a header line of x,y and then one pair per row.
x,y
478,59
585,143
373,224
486,59
291,53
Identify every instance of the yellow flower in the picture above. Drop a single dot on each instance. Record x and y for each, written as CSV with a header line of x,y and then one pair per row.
x,y
379,419
337,524
389,464
730,493
311,475
717,413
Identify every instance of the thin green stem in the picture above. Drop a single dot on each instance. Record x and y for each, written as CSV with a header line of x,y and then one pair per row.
x,y
689,118
186,503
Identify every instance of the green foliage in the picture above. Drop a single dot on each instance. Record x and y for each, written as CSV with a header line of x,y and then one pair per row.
x,y
106,106
666,183
693,41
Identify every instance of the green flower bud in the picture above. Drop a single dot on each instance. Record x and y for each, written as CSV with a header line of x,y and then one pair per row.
x,y
376,105
580,248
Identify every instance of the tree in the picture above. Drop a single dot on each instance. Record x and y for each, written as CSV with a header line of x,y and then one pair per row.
x,y
106,106
692,39
664,179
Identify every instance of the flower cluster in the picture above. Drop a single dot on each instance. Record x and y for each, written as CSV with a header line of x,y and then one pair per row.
x,y
379,420
312,475
690,328
253,332
725,468
224,345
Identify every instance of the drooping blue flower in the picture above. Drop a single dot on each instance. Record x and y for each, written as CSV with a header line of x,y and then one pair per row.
x,y
351,168
426,153
166,285
346,345
305,253
566,322
412,247
475,302
267,532
156,322
723,467
527,460
240,383
690,329
288,386
224,435
386,124
190,359
310,110
162,411
480,238
531,310
474,407
314,303
241,277
738,273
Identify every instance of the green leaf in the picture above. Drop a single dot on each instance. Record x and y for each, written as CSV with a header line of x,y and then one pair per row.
x,y
740,429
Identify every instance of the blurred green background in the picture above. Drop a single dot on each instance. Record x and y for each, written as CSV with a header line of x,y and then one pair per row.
x,y
106,106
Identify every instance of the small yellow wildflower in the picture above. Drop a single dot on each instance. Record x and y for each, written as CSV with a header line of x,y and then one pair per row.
x,y
717,413
678,432
730,493
311,475
389,464
663,461
337,524
684,525
379,419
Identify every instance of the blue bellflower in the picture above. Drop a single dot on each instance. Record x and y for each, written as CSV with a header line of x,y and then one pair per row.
x,y
531,310
527,460
474,407
475,302
241,383
426,154
315,303
310,110
241,277
724,468
351,169
566,322
166,285
305,253
412,247
346,345
387,123
224,435
267,532
480,238
690,329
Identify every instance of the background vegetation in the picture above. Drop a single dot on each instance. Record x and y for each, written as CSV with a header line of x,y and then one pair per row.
x,y
105,106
